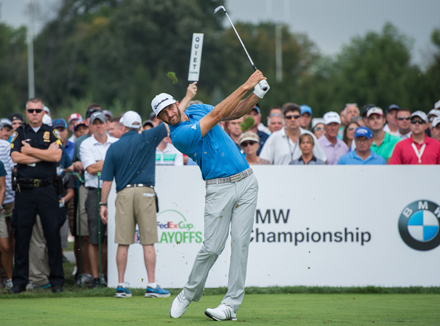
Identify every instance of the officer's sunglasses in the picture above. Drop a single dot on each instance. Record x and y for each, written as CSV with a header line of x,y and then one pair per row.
x,y
35,110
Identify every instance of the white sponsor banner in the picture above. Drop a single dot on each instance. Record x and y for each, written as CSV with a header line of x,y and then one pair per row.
x,y
196,57
314,226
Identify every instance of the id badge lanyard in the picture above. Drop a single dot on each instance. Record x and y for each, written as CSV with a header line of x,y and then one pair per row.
x,y
291,152
419,154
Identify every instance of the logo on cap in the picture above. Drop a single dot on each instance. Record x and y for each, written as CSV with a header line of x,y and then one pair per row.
x,y
419,225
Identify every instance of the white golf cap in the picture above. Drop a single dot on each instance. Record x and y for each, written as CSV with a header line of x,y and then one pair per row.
x,y
435,122
47,120
374,110
131,119
6,122
330,117
420,114
434,112
437,105
161,101
46,109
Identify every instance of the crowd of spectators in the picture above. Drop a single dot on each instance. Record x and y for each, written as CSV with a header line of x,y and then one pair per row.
x,y
293,136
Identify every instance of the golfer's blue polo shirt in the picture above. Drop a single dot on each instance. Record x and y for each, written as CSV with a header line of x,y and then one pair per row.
x,y
352,158
216,153
132,158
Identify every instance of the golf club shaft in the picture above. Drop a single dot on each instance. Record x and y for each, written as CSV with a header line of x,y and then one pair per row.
x,y
242,44
262,83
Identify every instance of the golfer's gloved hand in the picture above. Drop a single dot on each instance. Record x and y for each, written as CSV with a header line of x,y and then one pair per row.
x,y
258,89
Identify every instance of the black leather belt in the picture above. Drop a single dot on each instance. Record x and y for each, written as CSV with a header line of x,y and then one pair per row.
x,y
27,183
133,185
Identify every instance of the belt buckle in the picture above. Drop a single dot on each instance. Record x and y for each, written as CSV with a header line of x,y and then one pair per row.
x,y
36,183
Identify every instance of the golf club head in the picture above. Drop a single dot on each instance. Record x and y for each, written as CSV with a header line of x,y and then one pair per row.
x,y
218,8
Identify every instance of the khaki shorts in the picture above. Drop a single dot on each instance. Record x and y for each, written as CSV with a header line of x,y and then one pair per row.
x,y
82,206
5,221
136,205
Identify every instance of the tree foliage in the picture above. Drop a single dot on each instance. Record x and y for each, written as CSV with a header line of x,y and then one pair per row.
x,y
13,69
118,53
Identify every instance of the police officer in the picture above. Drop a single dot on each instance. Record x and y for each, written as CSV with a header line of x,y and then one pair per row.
x,y
36,150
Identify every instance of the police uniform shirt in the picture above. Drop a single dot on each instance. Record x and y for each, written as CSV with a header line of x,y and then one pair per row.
x,y
132,159
216,153
41,139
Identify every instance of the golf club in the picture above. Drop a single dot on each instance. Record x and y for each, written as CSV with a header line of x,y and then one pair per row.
x,y
263,84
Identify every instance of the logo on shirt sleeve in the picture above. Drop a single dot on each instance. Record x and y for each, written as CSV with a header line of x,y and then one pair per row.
x,y
194,127
56,133
14,135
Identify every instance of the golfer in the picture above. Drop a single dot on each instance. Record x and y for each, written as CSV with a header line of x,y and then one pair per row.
x,y
131,161
231,189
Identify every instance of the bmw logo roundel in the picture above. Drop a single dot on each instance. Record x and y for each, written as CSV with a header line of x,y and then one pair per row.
x,y
419,225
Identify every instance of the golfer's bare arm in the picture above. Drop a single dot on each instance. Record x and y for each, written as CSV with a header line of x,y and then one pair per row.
x,y
243,107
228,105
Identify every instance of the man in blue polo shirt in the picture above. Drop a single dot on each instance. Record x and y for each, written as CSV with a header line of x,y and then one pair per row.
x,y
362,155
131,161
231,189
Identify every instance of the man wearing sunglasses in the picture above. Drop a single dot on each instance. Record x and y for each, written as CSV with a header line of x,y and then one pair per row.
x,y
35,148
282,147
418,148
404,123
383,143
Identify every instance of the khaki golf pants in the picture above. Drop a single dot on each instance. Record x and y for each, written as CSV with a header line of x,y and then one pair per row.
x,y
226,204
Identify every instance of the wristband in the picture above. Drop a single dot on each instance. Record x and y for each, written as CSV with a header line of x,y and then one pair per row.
x,y
103,204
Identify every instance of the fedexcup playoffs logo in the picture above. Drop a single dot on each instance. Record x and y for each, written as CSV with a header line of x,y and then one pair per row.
x,y
419,225
175,228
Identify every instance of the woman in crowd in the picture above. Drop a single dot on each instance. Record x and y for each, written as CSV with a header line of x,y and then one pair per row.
x,y
318,130
348,136
306,144
249,142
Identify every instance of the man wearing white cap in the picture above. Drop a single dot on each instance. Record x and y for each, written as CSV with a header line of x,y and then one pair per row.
x,y
383,143
435,128
418,148
431,115
131,161
332,146
93,151
231,190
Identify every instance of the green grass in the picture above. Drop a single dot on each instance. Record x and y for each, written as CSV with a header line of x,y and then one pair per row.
x,y
298,305
269,309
